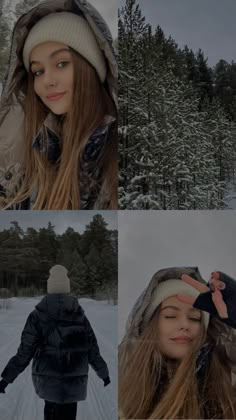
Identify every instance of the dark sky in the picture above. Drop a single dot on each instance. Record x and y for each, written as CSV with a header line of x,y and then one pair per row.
x,y
206,24
60,219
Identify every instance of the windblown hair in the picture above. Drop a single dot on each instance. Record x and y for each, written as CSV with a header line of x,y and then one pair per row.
x,y
149,387
58,184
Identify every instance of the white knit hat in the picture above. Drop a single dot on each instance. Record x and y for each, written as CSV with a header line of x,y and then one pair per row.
x,y
70,29
168,288
58,282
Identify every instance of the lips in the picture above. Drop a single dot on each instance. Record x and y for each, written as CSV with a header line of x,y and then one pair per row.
x,y
55,96
182,340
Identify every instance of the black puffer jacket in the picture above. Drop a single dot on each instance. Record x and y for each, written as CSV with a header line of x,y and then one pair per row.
x,y
60,339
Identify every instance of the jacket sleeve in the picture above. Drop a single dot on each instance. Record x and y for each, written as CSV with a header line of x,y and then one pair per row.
x,y
30,339
204,301
94,358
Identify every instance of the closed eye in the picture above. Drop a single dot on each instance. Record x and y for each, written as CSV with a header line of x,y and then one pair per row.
x,y
195,319
169,317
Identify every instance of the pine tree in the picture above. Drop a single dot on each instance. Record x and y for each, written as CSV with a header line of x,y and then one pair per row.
x,y
5,32
79,276
169,156
131,27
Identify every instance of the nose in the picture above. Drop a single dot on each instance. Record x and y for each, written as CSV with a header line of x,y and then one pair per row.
x,y
49,78
183,323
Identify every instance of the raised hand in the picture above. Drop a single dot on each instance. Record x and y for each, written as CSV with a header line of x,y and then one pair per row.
x,y
218,298
212,300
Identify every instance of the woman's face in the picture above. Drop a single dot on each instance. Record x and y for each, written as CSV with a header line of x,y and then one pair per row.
x,y
178,325
52,67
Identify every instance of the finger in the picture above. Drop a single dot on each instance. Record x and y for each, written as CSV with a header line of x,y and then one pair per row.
x,y
220,304
186,299
195,283
217,284
215,275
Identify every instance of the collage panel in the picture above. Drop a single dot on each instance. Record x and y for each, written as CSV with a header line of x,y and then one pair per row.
x,y
177,317
177,109
125,314
58,315
58,107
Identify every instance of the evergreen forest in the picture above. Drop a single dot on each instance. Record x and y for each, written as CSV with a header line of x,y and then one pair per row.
x,y
90,258
177,121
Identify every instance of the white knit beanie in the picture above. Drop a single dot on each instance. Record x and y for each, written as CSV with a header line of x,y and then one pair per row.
x,y
58,282
70,29
169,288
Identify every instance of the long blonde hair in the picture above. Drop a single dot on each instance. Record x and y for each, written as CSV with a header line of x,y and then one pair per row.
x,y
58,185
142,394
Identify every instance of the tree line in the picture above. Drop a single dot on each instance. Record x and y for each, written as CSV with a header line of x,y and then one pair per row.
x,y
90,258
9,13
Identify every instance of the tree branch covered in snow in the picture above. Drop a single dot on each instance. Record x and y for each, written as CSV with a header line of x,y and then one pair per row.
x,y
177,140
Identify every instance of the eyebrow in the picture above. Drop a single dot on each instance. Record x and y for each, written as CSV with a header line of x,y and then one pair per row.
x,y
52,54
178,309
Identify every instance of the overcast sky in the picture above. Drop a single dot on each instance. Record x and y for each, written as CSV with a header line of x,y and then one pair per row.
x,y
152,240
206,24
60,219
109,11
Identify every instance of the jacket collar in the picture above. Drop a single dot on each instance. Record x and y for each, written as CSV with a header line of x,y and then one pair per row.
x,y
53,144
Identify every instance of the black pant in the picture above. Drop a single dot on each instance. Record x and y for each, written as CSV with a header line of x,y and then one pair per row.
x,y
54,411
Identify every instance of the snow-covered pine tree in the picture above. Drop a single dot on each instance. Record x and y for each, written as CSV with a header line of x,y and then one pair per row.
x,y
5,39
169,158
131,26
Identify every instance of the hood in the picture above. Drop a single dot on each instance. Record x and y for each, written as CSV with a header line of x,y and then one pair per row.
x,y
15,76
14,84
136,316
60,307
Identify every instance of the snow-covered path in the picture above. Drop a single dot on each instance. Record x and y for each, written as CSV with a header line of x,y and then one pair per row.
x,y
20,401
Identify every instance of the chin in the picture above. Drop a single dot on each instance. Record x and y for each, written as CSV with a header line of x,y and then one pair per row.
x,y
178,355
58,110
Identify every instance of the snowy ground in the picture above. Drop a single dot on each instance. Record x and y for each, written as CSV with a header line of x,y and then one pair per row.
x,y
20,401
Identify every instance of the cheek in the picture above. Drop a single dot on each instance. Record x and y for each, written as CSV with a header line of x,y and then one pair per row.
x,y
37,86
165,329
70,79
196,329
